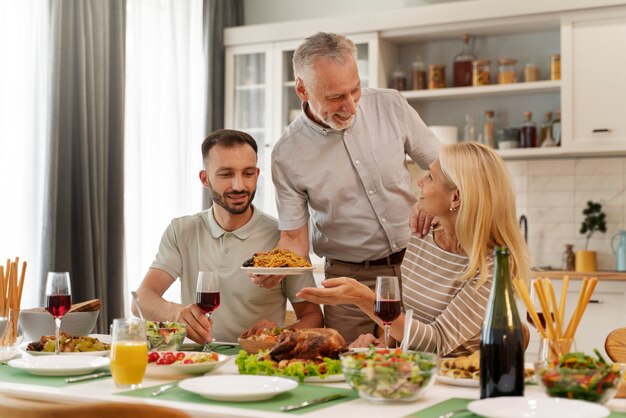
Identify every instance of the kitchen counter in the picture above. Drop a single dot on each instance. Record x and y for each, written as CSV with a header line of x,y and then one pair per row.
x,y
576,275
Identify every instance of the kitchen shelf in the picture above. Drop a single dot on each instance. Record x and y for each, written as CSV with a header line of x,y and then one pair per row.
x,y
546,86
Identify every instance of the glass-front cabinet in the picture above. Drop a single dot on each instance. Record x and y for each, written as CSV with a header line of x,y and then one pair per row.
x,y
261,99
248,104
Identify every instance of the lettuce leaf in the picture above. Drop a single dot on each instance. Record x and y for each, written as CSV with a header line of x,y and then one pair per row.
x,y
257,364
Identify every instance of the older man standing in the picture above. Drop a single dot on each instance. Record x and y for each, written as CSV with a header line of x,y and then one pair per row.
x,y
342,163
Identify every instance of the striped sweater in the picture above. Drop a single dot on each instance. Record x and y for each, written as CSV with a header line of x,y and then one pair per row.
x,y
448,313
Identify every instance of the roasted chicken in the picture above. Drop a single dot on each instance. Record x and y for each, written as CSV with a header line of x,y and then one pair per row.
x,y
309,344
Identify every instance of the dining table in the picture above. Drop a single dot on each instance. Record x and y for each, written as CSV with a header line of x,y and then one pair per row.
x,y
438,400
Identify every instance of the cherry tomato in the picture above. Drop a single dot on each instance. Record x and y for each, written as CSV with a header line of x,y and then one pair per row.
x,y
214,356
153,356
180,356
188,361
166,360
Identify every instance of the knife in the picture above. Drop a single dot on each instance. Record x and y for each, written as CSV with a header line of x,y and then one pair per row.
x,y
312,402
87,377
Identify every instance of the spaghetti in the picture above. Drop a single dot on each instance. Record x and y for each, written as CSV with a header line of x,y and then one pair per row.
x,y
278,258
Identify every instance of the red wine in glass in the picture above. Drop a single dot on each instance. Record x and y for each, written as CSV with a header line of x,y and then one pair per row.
x,y
208,301
58,305
387,310
387,302
58,300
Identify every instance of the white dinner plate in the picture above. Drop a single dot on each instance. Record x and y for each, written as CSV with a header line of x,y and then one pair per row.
x,y
59,365
278,271
528,407
169,371
51,353
238,387
455,381
329,379
8,354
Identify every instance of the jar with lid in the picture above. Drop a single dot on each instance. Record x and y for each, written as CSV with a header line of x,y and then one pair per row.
x,y
469,130
531,72
462,68
569,258
555,67
488,129
481,73
418,75
436,76
398,80
546,127
528,132
506,71
556,128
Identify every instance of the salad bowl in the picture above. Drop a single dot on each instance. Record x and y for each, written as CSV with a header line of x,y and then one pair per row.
x,y
579,376
384,375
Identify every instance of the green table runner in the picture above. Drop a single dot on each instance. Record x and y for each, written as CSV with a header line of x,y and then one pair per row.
x,y
302,393
225,348
455,404
10,374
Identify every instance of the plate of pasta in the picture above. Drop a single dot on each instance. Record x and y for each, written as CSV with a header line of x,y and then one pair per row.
x,y
277,262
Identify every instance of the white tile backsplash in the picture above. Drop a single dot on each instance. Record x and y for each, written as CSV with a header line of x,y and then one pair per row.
x,y
553,193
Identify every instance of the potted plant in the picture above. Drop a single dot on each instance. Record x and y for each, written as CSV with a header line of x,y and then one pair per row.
x,y
595,220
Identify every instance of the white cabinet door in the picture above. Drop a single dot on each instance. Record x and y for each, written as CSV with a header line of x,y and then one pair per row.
x,y
248,107
598,60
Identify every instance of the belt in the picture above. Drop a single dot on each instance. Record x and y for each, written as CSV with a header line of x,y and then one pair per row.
x,y
391,259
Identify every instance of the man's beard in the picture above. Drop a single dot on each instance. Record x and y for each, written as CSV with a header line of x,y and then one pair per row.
x,y
328,120
220,200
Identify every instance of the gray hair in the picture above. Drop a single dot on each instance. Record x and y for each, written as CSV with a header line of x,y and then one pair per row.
x,y
321,45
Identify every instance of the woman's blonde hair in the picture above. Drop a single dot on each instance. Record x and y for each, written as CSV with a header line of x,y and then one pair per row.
x,y
486,215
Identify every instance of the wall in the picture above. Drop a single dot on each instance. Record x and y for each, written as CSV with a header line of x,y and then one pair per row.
x,y
553,193
267,11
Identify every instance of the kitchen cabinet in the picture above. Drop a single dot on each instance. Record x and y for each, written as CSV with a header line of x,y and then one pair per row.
x,y
261,100
605,312
587,33
596,86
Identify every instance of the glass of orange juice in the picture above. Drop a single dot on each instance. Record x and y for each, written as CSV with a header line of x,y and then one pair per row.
x,y
129,352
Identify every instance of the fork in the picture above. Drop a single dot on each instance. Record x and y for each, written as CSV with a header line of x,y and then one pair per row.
x,y
452,414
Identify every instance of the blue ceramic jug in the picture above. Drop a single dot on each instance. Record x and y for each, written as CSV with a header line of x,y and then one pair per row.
x,y
620,252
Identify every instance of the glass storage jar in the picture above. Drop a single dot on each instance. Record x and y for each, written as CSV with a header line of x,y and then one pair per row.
x,y
481,73
418,75
506,71
531,72
555,67
436,76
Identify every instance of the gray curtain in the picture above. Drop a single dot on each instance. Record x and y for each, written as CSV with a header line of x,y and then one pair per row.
x,y
84,222
218,14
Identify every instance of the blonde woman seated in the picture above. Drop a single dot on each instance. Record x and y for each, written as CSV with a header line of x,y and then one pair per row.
x,y
447,275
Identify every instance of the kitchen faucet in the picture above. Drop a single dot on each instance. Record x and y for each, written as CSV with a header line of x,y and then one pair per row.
x,y
523,223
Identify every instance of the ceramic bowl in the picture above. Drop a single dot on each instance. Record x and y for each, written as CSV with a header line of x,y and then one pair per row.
x,y
77,324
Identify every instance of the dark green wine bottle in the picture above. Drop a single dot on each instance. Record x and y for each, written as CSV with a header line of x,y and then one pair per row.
x,y
501,340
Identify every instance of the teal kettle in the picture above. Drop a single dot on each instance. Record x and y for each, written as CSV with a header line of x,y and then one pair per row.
x,y
620,252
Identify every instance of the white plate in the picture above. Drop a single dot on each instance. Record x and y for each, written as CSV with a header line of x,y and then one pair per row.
x,y
8,354
278,271
329,379
238,387
169,371
527,407
78,353
59,365
452,381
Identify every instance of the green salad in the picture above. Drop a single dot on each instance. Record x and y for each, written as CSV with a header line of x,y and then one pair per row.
x,y
165,336
261,363
389,374
579,376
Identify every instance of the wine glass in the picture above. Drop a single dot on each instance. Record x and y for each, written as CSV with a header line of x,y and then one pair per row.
x,y
208,295
387,305
58,300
